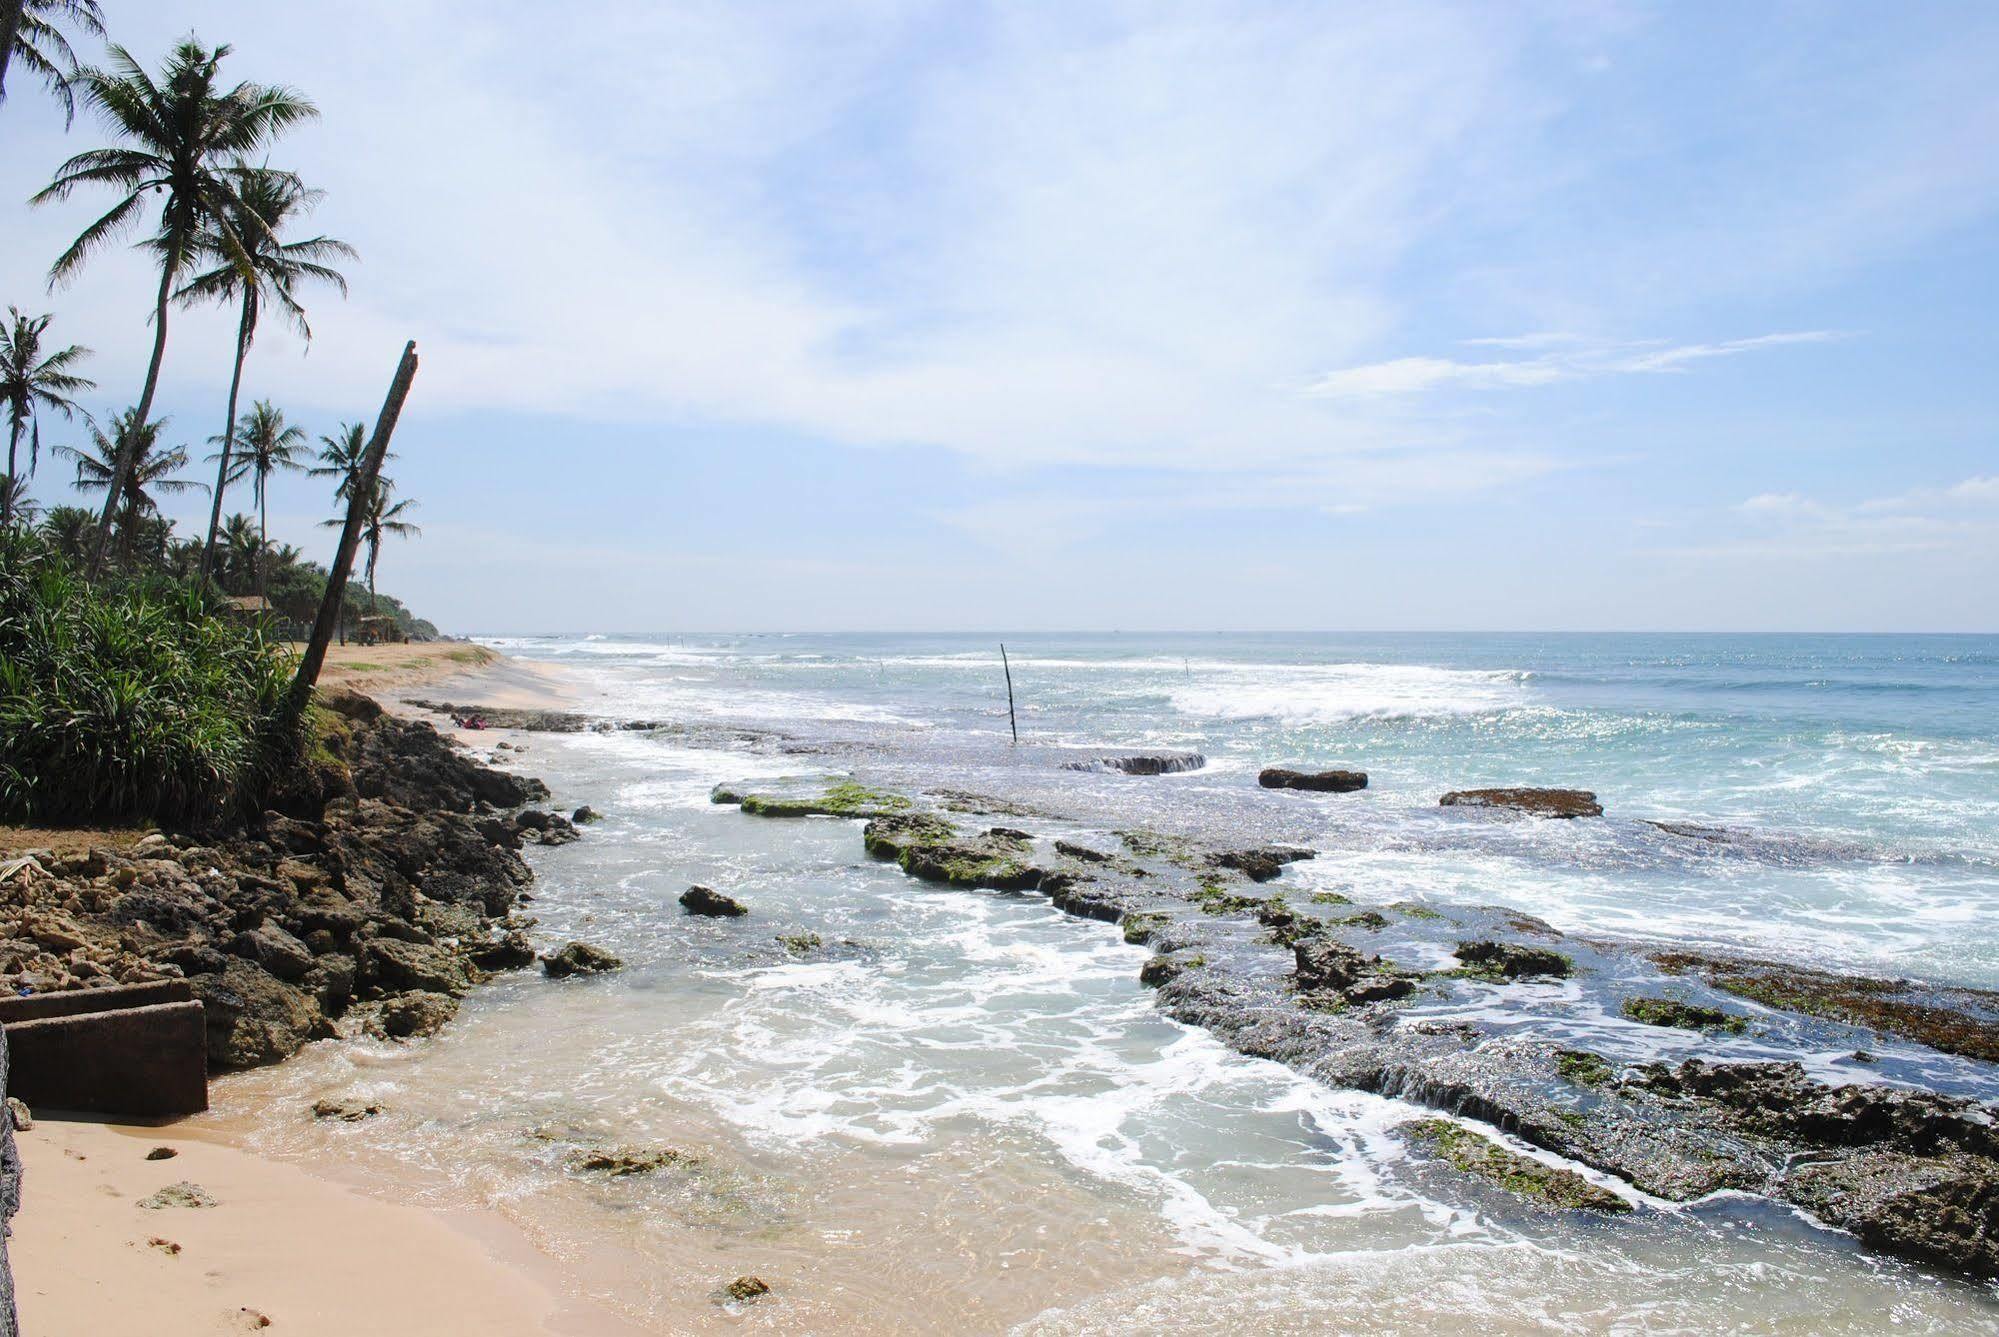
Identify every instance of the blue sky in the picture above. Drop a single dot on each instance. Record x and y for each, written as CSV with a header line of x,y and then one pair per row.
x,y
889,315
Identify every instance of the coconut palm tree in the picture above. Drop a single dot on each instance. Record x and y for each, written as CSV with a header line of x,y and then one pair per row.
x,y
269,445
69,531
266,204
28,33
148,470
29,383
379,520
14,498
180,140
341,456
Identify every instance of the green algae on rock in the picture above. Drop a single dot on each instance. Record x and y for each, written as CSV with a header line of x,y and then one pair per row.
x,y
1475,1154
1682,1015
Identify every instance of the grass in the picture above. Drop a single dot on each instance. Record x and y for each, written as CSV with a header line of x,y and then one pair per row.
x,y
131,700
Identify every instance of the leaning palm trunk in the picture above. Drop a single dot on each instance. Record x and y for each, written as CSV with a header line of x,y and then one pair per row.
x,y
121,471
228,430
365,481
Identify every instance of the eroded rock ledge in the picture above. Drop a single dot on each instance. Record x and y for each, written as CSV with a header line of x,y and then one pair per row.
x,y
1375,999
381,888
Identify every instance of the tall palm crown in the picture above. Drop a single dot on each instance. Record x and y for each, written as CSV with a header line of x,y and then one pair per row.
x,y
31,381
181,140
266,204
150,469
68,530
266,444
40,46
380,519
341,456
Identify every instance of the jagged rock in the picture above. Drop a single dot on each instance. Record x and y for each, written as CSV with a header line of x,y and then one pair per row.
x,y
1538,802
411,1015
699,900
511,951
1322,782
391,965
747,1288
162,1154
1511,961
346,1111
275,950
1259,865
621,1162
17,1111
1475,1154
1145,763
579,958
182,1194
255,1018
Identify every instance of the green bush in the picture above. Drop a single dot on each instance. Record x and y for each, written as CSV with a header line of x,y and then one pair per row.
x,y
129,701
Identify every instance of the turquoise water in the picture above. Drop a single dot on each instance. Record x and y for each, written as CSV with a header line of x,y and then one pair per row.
x,y
1862,770
965,1115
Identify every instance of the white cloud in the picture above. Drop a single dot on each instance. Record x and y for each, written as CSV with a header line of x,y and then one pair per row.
x,y
1579,359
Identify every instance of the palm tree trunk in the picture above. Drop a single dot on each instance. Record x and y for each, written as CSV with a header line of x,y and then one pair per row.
x,y
13,446
10,27
263,534
121,471
228,432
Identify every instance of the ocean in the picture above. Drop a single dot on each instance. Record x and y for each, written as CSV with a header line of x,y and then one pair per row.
x,y
966,1115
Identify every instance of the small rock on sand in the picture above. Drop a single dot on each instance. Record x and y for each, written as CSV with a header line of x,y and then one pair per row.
x,y
346,1111
747,1288
182,1194
17,1109
162,1154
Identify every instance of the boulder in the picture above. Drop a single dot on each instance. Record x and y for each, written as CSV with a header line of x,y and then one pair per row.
x,y
586,814
1259,865
1320,782
698,900
346,1111
390,965
511,951
1535,802
410,1015
255,1018
579,958
275,950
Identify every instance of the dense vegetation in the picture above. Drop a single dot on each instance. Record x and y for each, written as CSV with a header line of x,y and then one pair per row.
x,y
143,674
129,698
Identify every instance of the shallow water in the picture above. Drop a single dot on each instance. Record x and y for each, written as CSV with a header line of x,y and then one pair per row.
x,y
965,1115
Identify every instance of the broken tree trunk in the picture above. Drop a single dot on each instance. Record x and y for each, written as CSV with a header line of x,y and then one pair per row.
x,y
365,480
1012,722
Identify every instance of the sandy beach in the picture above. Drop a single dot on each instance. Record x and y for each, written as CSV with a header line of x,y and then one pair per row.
x,y
279,1247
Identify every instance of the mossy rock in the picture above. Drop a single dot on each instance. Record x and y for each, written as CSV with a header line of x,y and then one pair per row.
x,y
1371,920
1501,961
1214,897
1330,898
1475,1154
1412,910
1139,928
1683,1016
843,798
1584,1068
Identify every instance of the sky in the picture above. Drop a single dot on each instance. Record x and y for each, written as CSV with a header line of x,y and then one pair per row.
x,y
875,315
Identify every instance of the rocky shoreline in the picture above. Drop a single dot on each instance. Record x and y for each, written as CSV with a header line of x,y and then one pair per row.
x,y
380,886
1457,1009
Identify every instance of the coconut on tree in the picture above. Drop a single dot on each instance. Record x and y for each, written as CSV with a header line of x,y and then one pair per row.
x,y
267,205
30,381
180,141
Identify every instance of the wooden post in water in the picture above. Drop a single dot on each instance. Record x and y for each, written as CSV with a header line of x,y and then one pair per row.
x,y
1012,721
358,497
